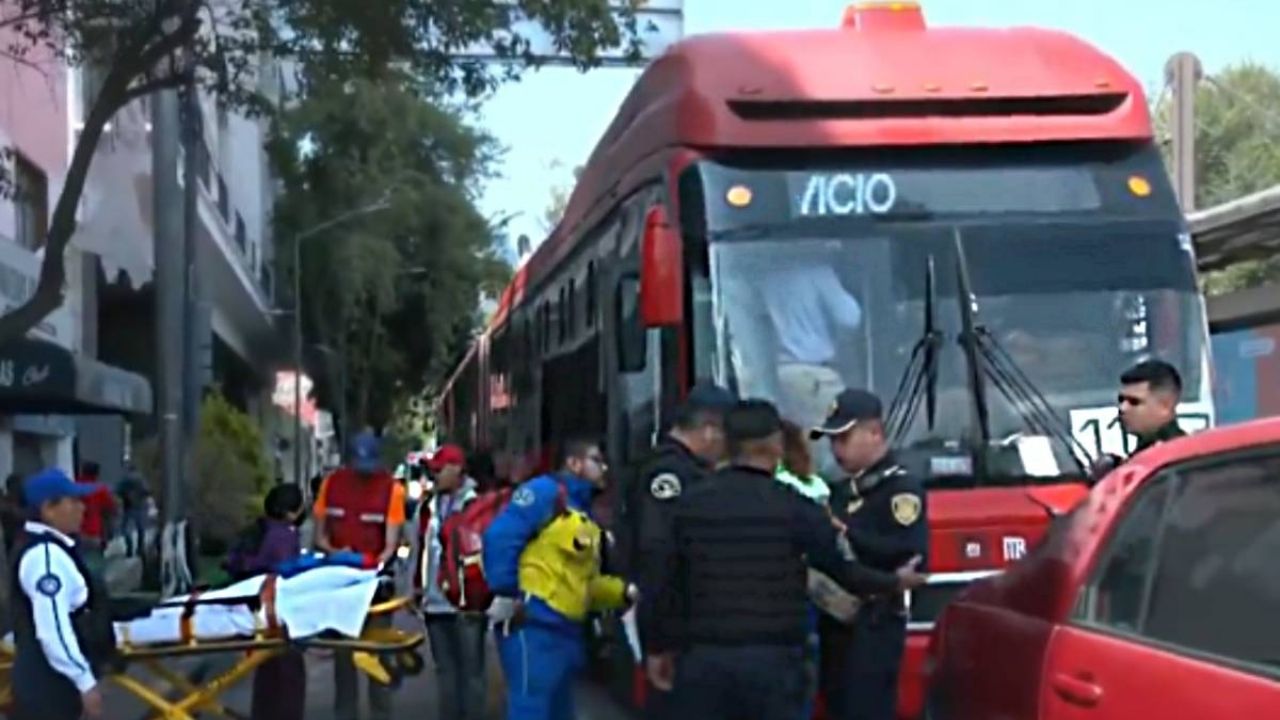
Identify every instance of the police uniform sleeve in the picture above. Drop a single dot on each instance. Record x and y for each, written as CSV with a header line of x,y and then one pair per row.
x,y
49,577
662,597
825,553
531,506
904,531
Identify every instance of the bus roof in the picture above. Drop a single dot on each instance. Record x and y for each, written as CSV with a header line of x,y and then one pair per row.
x,y
882,78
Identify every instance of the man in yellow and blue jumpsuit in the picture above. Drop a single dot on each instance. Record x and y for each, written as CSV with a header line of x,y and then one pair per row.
x,y
542,561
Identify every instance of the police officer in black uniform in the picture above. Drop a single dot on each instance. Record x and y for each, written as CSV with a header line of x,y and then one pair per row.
x,y
1148,405
679,462
883,509
62,627
731,606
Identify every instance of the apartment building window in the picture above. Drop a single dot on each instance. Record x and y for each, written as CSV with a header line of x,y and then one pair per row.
x,y
242,236
31,204
224,200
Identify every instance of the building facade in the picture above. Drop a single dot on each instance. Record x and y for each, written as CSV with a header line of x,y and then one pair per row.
x,y
50,376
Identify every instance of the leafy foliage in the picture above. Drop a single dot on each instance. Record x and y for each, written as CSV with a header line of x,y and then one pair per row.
x,y
1236,153
390,291
559,201
145,46
232,470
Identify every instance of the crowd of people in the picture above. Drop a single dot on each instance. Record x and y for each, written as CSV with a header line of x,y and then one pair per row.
x,y
727,549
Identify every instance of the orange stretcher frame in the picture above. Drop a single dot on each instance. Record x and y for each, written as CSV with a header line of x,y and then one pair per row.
x,y
386,654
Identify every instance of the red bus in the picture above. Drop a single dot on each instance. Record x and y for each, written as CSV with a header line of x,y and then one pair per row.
x,y
896,169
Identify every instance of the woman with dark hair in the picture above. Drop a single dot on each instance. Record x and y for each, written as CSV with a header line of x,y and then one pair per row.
x,y
797,469
797,472
280,684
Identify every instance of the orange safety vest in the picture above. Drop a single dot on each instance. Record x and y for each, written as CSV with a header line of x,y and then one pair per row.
x,y
356,510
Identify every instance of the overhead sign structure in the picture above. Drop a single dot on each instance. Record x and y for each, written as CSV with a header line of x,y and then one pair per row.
x,y
659,23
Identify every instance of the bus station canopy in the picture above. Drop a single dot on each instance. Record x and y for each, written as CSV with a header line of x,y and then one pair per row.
x,y
1247,228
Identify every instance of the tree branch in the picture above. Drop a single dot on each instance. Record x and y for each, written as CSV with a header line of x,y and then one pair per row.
x,y
141,90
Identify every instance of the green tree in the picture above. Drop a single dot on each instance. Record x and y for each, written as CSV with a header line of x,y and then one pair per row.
x,y
1236,153
144,46
392,291
559,201
232,470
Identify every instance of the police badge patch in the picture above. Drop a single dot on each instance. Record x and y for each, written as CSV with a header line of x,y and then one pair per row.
x,y
523,497
665,487
49,585
906,508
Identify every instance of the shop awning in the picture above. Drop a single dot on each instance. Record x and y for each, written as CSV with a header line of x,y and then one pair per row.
x,y
38,377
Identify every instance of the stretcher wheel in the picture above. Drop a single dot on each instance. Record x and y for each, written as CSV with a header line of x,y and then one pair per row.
x,y
394,671
410,663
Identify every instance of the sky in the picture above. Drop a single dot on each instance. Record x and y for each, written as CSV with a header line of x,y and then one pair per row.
x,y
550,120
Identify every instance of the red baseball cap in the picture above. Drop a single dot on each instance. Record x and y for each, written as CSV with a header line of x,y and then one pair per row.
x,y
447,455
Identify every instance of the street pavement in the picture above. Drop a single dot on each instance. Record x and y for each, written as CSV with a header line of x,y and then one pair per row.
x,y
416,698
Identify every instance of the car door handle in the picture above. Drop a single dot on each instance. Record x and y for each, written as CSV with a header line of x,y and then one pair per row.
x,y
1077,690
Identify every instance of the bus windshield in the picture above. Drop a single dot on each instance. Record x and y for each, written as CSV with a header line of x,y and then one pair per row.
x,y
799,311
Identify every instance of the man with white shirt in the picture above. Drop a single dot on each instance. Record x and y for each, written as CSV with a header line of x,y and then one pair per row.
x,y
60,632
810,309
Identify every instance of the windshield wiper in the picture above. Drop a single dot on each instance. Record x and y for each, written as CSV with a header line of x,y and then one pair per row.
x,y
987,359
921,373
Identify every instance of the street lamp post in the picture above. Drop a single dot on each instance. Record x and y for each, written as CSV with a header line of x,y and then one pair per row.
x,y
378,206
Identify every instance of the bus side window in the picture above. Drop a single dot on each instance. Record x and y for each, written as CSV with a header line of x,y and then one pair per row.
x,y
631,330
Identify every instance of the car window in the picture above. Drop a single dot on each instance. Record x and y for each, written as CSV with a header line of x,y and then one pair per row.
x,y
1192,562
1115,596
1217,582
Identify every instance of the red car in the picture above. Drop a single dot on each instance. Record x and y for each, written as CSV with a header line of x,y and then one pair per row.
x,y
1157,597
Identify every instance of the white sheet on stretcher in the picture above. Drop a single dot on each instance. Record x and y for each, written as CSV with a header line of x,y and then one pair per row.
x,y
324,599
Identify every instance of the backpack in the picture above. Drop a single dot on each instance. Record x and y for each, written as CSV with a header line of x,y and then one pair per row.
x,y
461,575
247,546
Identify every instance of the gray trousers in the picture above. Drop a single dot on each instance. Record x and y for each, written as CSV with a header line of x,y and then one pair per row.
x,y
457,648
346,702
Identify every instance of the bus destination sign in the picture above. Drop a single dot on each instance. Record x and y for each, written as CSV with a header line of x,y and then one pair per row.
x,y
845,194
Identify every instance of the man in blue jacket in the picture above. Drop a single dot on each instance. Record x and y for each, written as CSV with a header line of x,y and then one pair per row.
x,y
542,561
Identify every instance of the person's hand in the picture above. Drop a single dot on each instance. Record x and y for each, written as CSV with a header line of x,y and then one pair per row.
x,y
661,670
908,577
91,699
632,594
839,526
505,610
1103,466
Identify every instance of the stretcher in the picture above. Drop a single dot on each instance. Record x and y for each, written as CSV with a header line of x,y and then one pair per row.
x,y
381,651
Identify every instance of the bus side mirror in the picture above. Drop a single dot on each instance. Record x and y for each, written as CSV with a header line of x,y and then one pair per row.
x,y
661,261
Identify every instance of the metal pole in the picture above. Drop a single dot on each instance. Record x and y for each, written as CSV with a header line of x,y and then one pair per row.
x,y
297,359
1183,73
193,140
169,300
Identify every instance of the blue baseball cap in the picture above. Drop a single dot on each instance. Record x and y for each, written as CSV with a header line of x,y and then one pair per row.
x,y
53,485
366,453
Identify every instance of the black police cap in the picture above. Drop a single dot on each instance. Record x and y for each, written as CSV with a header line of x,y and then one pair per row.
x,y
850,408
751,420
706,397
